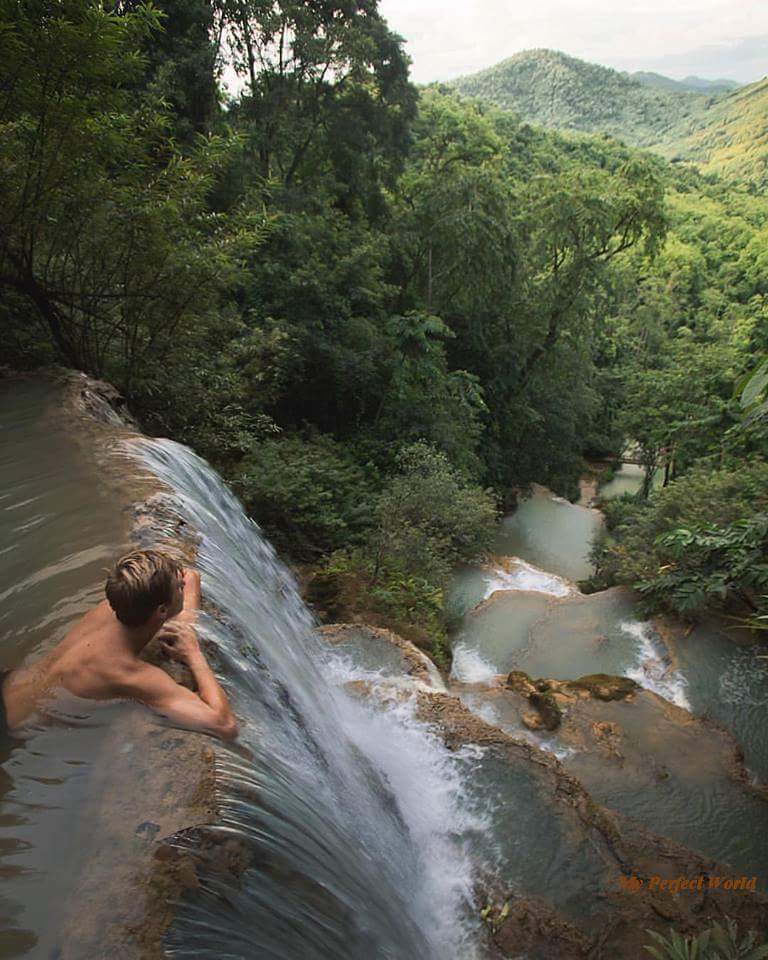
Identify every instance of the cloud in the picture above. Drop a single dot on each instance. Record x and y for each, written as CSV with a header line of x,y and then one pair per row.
x,y
712,38
745,58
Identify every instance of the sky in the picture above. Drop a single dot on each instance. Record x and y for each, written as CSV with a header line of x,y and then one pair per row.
x,y
709,38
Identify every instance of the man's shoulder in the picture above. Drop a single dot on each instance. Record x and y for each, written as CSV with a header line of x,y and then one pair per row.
x,y
135,676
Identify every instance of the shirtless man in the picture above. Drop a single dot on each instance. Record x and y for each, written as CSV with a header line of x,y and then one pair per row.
x,y
148,594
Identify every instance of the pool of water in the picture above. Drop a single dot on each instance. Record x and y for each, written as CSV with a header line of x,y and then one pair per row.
x,y
670,777
495,635
551,533
665,770
538,845
59,528
727,673
629,479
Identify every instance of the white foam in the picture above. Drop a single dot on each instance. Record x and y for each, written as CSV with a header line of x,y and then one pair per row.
x,y
435,680
414,761
547,744
653,670
525,576
469,666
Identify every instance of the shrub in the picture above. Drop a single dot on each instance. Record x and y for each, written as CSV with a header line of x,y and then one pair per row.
x,y
716,943
429,519
308,494
700,543
345,589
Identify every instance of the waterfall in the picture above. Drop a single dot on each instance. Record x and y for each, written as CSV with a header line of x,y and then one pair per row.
x,y
355,815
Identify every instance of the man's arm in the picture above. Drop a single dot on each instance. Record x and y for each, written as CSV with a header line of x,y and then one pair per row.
x,y
179,641
191,597
207,710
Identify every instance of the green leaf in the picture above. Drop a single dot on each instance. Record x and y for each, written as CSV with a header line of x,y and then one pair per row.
x,y
753,385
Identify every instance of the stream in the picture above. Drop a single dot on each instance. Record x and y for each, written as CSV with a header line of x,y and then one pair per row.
x,y
527,614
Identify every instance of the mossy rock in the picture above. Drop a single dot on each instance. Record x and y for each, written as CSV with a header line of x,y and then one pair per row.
x,y
602,686
519,681
548,709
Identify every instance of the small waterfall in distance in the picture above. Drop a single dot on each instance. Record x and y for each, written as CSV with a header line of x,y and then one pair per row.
x,y
356,816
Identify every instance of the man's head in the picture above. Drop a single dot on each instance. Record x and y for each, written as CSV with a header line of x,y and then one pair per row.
x,y
145,586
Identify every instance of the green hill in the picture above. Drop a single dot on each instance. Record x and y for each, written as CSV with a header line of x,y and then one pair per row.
x,y
724,132
731,138
554,90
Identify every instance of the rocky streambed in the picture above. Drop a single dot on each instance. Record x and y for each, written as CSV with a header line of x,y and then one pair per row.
x,y
564,868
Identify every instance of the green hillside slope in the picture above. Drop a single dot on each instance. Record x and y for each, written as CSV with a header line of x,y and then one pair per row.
x,y
731,138
547,87
726,132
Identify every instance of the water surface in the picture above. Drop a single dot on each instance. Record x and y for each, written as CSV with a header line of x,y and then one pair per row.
x,y
551,533
59,528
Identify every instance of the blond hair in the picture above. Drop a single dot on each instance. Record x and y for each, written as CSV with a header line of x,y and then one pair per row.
x,y
139,583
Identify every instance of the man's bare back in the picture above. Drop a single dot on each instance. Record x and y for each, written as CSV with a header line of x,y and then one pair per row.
x,y
99,659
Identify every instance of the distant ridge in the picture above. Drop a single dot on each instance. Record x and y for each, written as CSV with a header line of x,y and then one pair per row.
x,y
716,123
687,85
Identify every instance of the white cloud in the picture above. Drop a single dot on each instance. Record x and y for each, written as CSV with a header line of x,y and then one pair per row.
x,y
709,37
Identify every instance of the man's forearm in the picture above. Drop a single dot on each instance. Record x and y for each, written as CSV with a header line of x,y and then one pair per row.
x,y
208,687
191,596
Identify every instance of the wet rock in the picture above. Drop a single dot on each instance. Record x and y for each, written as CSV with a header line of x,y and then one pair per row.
x,y
608,735
521,682
532,721
526,926
541,695
148,830
602,686
415,663
99,400
547,708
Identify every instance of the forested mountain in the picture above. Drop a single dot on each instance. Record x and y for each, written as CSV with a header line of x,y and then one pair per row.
x,y
729,138
554,90
721,129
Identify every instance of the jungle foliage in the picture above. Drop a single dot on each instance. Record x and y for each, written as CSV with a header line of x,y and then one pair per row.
x,y
377,310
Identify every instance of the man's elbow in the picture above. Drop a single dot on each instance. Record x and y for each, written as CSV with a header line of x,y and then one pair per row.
x,y
227,729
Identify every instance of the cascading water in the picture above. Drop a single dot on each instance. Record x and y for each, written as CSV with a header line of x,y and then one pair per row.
x,y
354,815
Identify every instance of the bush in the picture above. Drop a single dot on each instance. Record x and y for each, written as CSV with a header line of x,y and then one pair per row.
x,y
701,543
716,943
429,519
344,588
308,494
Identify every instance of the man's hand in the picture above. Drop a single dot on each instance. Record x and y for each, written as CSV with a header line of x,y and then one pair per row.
x,y
179,641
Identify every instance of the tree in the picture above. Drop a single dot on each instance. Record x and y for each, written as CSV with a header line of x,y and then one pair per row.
x,y
182,64
428,519
327,87
510,244
103,228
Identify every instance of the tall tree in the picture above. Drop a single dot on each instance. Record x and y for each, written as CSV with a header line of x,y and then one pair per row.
x,y
103,228
326,88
